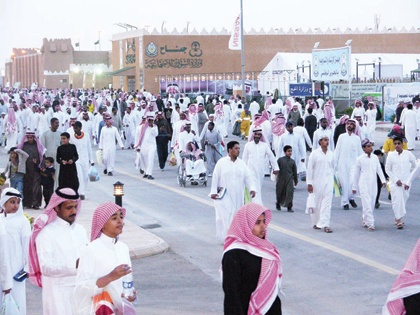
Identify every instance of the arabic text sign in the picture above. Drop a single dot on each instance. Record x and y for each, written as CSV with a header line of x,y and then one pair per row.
x,y
305,89
331,64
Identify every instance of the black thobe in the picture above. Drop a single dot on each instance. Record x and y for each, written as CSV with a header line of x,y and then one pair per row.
x,y
162,148
160,105
241,271
310,125
32,192
67,176
340,129
286,178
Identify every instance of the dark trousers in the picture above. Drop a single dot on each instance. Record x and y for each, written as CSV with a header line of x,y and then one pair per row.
x,y
412,304
47,192
162,151
378,194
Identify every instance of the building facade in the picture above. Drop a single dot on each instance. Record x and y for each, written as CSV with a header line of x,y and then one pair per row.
x,y
198,62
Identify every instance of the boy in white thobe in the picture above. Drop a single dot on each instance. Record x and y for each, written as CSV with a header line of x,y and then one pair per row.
x,y
398,169
409,123
320,180
367,167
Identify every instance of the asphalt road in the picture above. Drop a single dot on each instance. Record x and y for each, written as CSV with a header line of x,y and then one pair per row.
x,y
347,272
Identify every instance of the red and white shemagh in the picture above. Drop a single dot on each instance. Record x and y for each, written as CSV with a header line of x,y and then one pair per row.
x,y
101,215
406,284
240,236
44,219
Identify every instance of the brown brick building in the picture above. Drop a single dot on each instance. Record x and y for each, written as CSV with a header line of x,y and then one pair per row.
x,y
151,60
58,65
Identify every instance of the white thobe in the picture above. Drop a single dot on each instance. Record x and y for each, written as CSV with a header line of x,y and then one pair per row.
x,y
409,123
6,276
107,144
256,156
398,168
44,123
365,182
358,111
18,233
148,147
58,246
235,176
32,123
98,259
129,129
370,118
348,149
84,149
318,134
184,138
320,174
87,127
254,108
296,142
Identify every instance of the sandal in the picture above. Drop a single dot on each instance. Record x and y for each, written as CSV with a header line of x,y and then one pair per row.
x,y
327,230
400,225
316,228
371,228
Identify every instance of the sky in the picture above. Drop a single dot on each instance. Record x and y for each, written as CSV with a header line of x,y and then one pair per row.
x,y
24,23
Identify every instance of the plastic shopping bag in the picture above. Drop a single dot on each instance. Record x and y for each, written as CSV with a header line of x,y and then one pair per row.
x,y
99,157
172,160
93,174
9,306
310,204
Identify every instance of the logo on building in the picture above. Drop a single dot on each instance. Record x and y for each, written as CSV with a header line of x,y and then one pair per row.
x,y
151,50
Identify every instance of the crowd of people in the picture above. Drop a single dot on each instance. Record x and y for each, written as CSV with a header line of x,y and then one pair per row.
x,y
50,137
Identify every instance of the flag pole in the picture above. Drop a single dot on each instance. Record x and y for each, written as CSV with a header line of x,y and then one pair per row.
x,y
242,53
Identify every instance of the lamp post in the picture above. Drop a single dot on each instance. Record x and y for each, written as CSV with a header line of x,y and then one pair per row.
x,y
118,192
379,67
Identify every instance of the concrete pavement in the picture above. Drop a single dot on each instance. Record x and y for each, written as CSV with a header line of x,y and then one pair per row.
x,y
140,242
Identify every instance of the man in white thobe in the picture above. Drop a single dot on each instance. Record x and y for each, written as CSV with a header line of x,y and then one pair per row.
x,y
398,165
254,108
129,127
145,144
6,276
348,149
234,175
322,131
55,247
370,120
109,134
365,181
320,180
409,123
256,153
84,148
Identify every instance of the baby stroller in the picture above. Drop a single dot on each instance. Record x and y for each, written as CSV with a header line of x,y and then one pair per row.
x,y
192,168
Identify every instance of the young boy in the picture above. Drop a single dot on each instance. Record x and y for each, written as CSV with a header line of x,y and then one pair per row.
x,y
286,177
16,168
47,179
367,167
66,157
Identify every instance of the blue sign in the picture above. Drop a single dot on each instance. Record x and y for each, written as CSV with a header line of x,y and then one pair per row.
x,y
305,89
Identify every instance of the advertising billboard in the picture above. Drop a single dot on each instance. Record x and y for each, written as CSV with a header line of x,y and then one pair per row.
x,y
331,64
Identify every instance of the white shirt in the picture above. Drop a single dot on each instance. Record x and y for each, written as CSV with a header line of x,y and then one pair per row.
x,y
59,245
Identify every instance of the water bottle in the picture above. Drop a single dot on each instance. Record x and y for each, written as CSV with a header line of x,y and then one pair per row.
x,y
128,287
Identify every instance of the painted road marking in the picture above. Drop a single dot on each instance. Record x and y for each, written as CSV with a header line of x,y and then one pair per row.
x,y
277,228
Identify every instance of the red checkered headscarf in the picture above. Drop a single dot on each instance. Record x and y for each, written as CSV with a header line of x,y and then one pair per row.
x,y
61,195
240,236
101,216
406,284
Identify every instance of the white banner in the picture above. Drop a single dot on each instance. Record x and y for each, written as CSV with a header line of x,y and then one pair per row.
x,y
393,94
331,64
235,39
